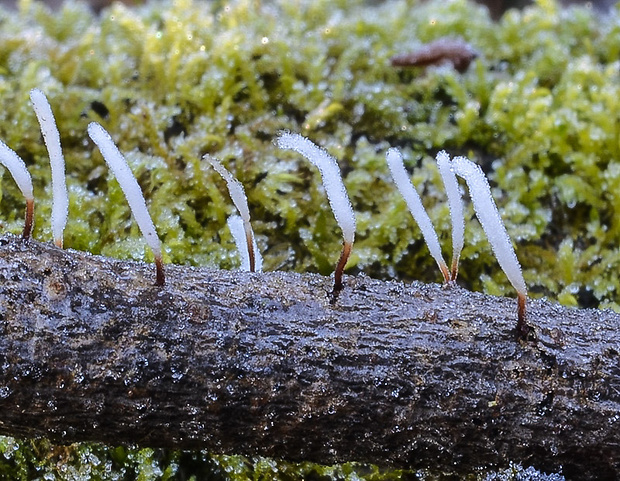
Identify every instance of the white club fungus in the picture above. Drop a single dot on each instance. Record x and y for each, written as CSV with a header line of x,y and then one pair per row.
x,y
18,170
237,229
132,191
492,224
334,188
332,179
405,187
237,194
455,203
51,136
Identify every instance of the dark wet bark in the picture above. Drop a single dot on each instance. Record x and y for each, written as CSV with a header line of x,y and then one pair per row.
x,y
399,375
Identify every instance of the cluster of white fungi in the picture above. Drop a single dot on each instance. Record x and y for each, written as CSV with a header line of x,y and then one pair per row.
x,y
480,193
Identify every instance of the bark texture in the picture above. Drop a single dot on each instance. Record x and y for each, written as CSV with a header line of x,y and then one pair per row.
x,y
399,375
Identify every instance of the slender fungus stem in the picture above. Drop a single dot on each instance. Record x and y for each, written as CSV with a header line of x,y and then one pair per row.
x,y
523,329
160,277
29,221
51,136
237,229
249,238
493,227
237,194
335,190
18,170
405,187
133,193
456,209
342,261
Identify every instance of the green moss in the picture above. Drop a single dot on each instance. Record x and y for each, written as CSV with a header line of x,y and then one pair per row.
x,y
537,109
24,461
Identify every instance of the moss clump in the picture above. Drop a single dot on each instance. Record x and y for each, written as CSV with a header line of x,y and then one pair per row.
x,y
171,82
25,461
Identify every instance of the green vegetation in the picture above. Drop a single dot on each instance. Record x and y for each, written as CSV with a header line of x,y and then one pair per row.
x,y
538,110
25,461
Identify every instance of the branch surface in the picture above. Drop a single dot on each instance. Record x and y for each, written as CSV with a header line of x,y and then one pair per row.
x,y
400,375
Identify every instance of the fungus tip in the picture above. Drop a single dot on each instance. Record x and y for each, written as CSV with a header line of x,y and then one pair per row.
x,y
342,262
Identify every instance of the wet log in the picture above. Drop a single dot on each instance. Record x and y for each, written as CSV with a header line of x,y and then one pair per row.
x,y
400,375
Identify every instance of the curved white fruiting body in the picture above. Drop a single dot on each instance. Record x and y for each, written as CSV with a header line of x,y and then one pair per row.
x,y
406,189
455,202
491,221
237,229
492,224
332,180
51,136
335,190
235,188
131,189
237,194
18,170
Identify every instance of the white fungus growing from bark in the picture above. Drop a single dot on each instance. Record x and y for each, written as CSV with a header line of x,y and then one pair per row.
x,y
237,194
414,203
455,202
335,190
493,227
132,191
18,170
51,136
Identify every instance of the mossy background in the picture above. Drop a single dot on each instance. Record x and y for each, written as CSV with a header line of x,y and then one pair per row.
x,y
539,110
